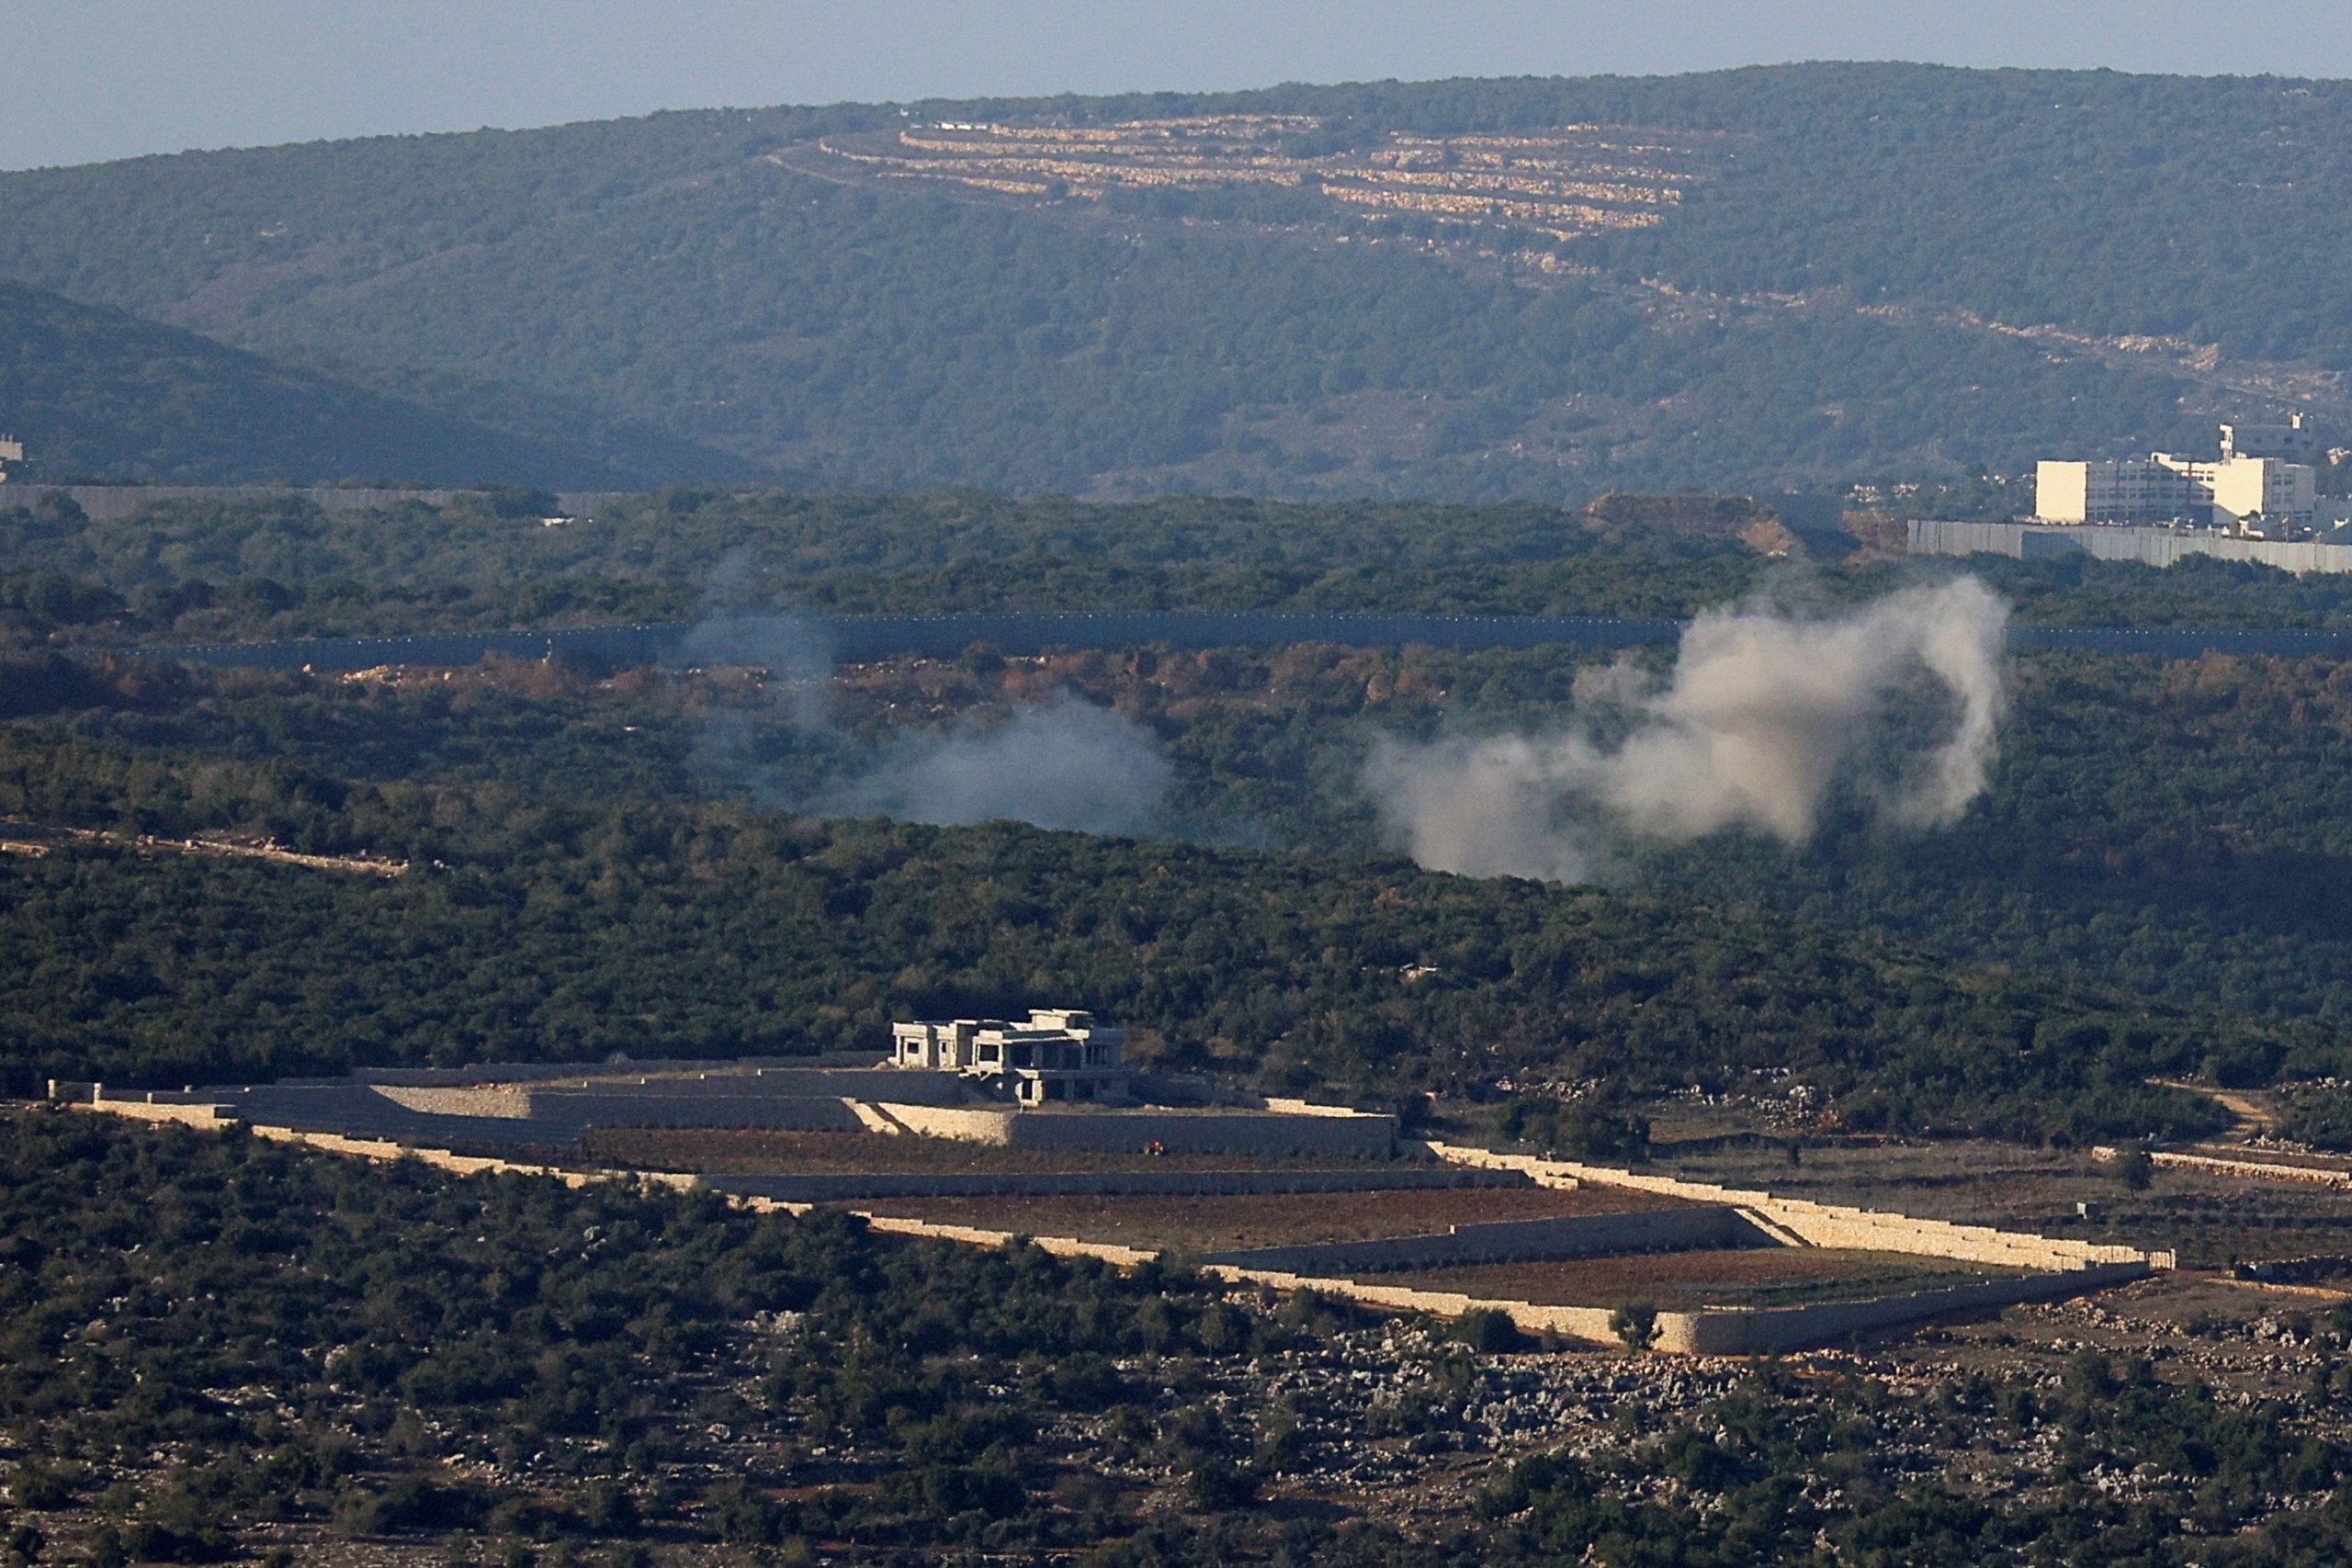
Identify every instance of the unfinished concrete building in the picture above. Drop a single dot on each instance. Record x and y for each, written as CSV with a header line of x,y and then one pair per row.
x,y
1059,1055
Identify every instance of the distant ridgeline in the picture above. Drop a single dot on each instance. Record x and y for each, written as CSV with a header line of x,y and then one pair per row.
x,y
1775,277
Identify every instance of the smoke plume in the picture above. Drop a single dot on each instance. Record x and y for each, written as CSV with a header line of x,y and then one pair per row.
x,y
1763,718
1062,763
795,652
1059,763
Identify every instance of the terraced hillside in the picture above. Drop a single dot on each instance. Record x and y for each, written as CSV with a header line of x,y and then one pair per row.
x,y
1561,183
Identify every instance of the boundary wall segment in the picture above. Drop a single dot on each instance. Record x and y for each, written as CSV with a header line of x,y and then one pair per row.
x,y
1763,1330
2148,547
591,1107
1829,1224
2263,1170
970,1126
770,1083
350,1109
520,1072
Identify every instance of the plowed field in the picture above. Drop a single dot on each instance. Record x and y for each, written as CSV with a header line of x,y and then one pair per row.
x,y
1761,1276
1216,1223
752,1151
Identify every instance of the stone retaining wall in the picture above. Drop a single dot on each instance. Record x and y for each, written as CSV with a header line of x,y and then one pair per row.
x,y
2262,1170
1766,1330
989,1125
795,1083
1827,1225
640,1108
482,1073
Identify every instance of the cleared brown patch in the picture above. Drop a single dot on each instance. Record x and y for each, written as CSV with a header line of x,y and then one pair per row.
x,y
1219,1223
1761,1276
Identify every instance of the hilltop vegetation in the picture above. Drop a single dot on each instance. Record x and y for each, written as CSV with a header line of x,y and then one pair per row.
x,y
249,570
1790,276
95,391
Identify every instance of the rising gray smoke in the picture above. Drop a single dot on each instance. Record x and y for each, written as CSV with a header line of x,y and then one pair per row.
x,y
1763,716
796,650
1063,763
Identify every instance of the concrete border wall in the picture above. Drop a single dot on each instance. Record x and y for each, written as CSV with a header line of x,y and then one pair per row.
x,y
1511,1241
2148,547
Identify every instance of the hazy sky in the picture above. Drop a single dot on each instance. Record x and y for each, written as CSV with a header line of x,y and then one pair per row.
x,y
84,80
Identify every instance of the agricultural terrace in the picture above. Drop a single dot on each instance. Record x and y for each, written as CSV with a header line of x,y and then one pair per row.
x,y
1234,1223
1558,184
1741,1276
727,1151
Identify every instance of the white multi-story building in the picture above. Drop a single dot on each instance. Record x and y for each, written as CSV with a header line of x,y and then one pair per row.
x,y
2297,441
1061,1053
2243,492
2247,492
2125,490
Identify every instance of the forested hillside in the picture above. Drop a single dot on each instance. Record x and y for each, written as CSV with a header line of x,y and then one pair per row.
x,y
202,571
529,927
1786,277
97,392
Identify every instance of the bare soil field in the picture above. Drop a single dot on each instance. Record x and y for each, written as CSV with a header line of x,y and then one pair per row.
x,y
1756,1276
753,1151
1217,1223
